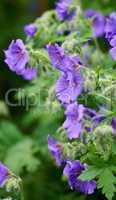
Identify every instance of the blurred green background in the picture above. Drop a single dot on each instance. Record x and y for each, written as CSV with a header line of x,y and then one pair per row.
x,y
14,14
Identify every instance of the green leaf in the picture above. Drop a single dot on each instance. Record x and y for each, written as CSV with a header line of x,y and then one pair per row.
x,y
114,148
9,135
107,182
22,156
90,173
106,179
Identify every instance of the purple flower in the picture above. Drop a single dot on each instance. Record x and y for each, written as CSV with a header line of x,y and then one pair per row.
x,y
56,150
67,90
110,31
4,174
61,61
110,28
56,54
113,53
98,21
64,11
77,117
17,59
113,123
113,41
30,30
16,56
72,171
68,87
73,123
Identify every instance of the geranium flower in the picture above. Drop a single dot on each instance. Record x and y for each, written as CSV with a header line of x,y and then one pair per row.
x,y
64,10
17,59
98,22
68,87
56,150
72,171
73,123
110,28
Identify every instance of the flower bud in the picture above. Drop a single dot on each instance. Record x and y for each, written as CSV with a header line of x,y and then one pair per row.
x,y
103,139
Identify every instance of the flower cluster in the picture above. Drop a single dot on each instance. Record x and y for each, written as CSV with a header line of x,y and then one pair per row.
x,y
101,25
72,169
81,121
68,88
87,131
104,25
17,59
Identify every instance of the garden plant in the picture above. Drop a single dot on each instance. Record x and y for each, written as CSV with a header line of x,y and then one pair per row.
x,y
68,62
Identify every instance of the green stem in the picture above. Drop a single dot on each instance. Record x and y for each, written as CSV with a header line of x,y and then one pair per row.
x,y
21,191
99,50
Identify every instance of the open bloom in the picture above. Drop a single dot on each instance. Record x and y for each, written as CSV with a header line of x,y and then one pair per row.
x,y
56,150
73,123
30,30
64,11
77,117
17,59
68,87
98,22
4,174
56,54
61,61
72,171
16,56
67,90
110,28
